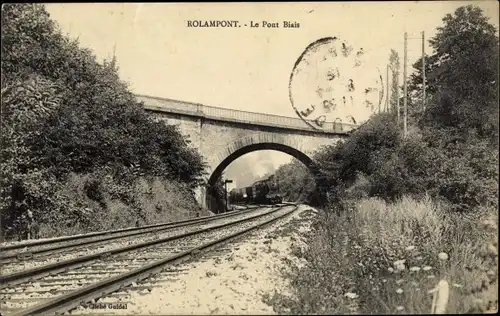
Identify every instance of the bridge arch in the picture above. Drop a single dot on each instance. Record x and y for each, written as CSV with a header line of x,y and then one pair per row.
x,y
220,134
250,144
302,157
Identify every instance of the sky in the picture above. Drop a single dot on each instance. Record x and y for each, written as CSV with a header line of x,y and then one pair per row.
x,y
242,68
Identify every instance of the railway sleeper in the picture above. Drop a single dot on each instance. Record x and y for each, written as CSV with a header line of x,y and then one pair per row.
x,y
87,273
105,287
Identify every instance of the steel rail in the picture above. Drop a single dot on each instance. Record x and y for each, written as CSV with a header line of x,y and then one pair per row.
x,y
142,231
53,268
101,233
72,299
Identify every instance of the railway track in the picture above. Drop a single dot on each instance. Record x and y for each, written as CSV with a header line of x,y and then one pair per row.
x,y
42,260
31,244
64,285
18,257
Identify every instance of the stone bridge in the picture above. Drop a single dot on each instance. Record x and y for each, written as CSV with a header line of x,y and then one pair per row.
x,y
222,135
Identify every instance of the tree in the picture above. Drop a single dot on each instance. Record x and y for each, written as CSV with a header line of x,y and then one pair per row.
x,y
395,68
25,105
63,112
98,120
462,74
415,80
295,181
217,195
467,44
451,156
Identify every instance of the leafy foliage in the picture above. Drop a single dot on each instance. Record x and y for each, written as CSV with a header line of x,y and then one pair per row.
x,y
386,256
463,173
343,161
64,112
463,74
295,181
395,68
217,195
451,151
383,258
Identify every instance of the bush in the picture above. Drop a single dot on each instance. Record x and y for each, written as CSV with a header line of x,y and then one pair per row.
x,y
394,202
451,151
146,201
295,181
344,160
358,251
461,168
217,196
66,113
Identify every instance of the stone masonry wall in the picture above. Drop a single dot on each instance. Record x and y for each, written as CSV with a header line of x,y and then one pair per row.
x,y
215,140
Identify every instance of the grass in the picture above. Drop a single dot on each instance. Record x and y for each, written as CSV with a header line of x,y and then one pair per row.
x,y
384,258
154,201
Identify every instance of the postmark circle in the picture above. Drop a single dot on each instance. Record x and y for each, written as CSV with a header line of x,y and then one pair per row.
x,y
333,81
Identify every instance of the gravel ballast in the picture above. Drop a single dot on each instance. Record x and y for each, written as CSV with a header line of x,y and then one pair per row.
x,y
234,282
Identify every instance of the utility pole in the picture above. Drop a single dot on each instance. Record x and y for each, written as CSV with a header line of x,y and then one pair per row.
x,y
381,95
225,190
397,95
387,81
2,174
423,70
405,96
